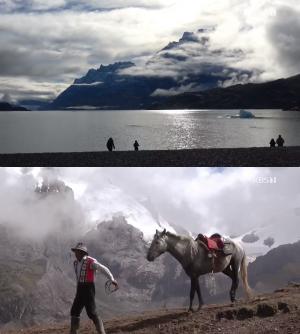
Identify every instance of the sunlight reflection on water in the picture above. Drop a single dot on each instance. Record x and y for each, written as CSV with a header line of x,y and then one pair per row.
x,y
68,131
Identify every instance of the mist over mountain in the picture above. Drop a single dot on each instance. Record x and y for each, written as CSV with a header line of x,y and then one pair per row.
x,y
44,213
278,94
191,73
191,64
37,283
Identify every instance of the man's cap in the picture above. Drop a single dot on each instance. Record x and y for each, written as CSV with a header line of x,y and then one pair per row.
x,y
80,246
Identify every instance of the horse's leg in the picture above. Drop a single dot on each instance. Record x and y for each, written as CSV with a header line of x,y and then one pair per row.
x,y
230,273
198,290
192,294
235,281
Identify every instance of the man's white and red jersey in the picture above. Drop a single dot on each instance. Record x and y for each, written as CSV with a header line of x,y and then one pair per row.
x,y
85,270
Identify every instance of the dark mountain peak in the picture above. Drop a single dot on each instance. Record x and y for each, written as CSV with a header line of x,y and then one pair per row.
x,y
54,187
116,66
103,72
188,37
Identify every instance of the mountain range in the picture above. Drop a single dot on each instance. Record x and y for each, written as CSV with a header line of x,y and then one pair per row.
x,y
190,73
190,64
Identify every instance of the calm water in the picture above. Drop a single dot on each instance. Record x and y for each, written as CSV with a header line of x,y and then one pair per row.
x,y
67,131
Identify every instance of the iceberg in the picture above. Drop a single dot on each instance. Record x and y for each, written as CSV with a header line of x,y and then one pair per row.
x,y
246,114
242,114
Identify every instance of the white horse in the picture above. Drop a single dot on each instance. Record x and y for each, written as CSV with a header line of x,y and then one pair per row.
x,y
193,256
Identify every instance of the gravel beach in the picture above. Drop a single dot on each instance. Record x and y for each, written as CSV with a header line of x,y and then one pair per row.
x,y
238,157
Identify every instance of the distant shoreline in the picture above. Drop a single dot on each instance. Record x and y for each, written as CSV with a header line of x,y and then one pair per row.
x,y
216,157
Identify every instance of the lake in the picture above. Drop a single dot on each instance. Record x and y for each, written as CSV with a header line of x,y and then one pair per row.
x,y
76,131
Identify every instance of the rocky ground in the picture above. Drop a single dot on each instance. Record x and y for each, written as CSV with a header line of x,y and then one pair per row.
x,y
277,312
260,157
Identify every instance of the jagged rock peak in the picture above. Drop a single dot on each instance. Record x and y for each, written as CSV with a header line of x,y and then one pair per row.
x,y
189,37
116,66
53,186
103,72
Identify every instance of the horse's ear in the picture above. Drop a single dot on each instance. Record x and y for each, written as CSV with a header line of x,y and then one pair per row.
x,y
164,231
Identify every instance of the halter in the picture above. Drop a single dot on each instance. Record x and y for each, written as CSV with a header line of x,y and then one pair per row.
x,y
110,287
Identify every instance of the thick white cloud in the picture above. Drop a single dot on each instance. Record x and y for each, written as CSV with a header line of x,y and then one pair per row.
x,y
58,40
44,5
230,201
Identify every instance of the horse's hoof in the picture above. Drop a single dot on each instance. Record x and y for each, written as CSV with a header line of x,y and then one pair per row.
x,y
190,310
199,308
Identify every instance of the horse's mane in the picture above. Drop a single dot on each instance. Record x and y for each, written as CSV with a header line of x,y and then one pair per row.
x,y
189,240
177,236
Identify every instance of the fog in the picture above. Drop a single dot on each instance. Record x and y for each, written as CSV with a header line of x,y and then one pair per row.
x,y
33,215
232,201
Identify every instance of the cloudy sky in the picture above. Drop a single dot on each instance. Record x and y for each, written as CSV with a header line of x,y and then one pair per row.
x,y
231,201
45,44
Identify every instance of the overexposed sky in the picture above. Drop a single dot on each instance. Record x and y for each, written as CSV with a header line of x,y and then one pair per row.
x,y
45,44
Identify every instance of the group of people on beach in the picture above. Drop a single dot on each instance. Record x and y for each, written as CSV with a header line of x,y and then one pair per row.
x,y
111,145
279,142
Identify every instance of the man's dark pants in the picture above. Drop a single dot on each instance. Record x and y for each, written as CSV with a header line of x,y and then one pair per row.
x,y
85,297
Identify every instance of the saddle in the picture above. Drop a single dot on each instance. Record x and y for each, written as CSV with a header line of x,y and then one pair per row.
x,y
216,244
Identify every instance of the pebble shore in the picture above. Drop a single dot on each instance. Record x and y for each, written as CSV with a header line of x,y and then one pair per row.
x,y
224,157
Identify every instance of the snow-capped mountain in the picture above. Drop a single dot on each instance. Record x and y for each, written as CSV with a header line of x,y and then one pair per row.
x,y
113,202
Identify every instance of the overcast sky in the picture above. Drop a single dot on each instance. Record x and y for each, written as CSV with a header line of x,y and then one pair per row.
x,y
45,44
231,201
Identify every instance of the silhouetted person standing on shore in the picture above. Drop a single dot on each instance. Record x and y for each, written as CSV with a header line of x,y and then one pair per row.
x,y
136,145
280,141
110,144
272,143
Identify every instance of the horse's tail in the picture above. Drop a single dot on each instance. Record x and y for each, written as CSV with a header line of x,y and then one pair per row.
x,y
244,275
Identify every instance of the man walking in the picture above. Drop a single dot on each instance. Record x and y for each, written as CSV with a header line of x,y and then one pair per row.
x,y
85,270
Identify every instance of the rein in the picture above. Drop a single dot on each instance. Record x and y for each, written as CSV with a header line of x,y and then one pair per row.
x,y
110,287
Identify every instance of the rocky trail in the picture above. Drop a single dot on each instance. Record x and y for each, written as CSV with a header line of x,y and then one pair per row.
x,y
277,312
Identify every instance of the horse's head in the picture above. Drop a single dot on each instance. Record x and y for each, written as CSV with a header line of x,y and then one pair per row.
x,y
158,245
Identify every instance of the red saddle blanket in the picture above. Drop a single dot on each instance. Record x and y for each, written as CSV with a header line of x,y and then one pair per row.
x,y
215,243
212,243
